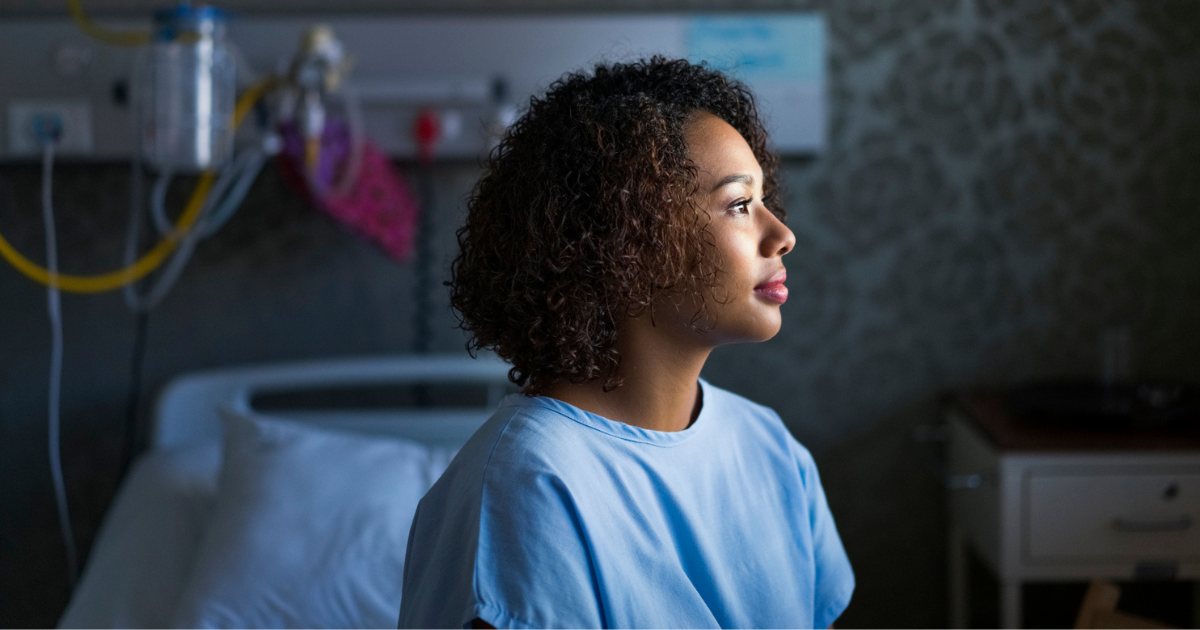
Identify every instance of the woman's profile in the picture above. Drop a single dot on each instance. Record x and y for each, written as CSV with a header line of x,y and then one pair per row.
x,y
627,225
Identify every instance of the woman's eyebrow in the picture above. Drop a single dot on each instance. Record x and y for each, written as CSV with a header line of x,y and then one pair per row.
x,y
733,179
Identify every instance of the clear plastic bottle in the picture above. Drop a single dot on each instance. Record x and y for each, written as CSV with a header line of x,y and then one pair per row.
x,y
187,91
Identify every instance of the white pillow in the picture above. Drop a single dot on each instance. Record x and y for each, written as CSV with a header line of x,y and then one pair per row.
x,y
309,528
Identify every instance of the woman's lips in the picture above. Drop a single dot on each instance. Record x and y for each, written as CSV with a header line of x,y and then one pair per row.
x,y
773,290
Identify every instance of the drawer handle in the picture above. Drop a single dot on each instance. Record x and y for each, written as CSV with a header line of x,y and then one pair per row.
x,y
1170,525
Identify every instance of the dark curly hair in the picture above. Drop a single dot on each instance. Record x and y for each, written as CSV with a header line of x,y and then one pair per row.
x,y
585,215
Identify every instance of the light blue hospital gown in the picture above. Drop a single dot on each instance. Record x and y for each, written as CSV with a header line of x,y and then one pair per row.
x,y
551,516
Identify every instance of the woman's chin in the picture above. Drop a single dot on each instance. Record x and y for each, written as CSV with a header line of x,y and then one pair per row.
x,y
757,330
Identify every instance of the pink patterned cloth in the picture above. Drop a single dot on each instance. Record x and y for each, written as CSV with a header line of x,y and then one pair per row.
x,y
380,206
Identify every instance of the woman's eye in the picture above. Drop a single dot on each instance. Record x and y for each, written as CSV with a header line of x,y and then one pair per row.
x,y
742,206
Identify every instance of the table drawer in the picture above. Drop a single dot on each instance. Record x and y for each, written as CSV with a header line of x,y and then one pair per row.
x,y
1112,517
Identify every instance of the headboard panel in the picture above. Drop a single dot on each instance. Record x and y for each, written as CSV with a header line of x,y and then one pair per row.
x,y
189,407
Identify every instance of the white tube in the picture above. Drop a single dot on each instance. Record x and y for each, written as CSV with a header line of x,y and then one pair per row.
x,y
162,223
243,70
136,301
227,178
354,119
158,202
213,218
170,274
237,181
250,163
353,166
54,310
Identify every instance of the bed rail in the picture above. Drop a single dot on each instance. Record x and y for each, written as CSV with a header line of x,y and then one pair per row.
x,y
189,407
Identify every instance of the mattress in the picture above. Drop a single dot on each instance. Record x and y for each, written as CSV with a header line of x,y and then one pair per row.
x,y
143,554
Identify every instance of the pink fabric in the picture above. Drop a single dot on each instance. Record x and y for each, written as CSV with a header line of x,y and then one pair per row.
x,y
380,206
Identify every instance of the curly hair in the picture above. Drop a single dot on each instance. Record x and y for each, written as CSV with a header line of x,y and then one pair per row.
x,y
585,214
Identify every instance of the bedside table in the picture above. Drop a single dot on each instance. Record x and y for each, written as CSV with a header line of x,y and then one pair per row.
x,y
1044,503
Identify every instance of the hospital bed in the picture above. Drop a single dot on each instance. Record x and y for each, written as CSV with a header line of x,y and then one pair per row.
x,y
265,500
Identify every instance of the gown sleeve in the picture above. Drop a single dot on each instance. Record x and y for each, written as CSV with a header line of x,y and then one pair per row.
x,y
834,577
533,568
499,541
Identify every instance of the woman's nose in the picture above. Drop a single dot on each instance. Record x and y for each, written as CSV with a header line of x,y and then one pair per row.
x,y
778,239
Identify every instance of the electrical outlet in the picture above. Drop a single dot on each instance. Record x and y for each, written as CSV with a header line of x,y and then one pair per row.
x,y
28,118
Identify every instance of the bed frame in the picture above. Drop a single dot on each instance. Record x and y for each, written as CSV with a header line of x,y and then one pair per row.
x,y
190,406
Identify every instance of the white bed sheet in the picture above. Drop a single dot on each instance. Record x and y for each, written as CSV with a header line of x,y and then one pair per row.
x,y
145,549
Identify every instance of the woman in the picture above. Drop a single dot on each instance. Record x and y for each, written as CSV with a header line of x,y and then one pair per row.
x,y
626,226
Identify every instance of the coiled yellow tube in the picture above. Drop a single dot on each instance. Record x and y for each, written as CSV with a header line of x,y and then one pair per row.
x,y
153,258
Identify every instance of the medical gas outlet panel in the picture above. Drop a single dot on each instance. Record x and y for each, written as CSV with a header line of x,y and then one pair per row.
x,y
472,75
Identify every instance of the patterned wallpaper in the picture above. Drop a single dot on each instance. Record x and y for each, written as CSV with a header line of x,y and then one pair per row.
x,y
1005,180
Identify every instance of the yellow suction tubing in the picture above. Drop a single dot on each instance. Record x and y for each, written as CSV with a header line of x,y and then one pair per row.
x,y
153,258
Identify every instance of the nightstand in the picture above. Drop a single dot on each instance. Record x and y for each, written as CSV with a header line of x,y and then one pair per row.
x,y
1044,503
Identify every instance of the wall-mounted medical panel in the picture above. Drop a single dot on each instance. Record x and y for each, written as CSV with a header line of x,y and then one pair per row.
x,y
452,64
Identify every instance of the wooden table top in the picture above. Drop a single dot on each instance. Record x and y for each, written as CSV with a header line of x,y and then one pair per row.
x,y
1012,432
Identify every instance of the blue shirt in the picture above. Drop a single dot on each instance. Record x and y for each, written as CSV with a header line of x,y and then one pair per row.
x,y
551,516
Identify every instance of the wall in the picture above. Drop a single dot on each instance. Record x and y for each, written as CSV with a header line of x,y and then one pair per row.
x,y
1005,179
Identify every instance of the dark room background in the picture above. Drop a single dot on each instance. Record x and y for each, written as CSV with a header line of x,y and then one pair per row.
x,y
1005,180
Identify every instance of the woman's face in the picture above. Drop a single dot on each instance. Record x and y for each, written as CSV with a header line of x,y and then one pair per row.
x,y
750,240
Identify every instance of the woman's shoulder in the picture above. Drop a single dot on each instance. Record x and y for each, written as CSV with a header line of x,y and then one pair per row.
x,y
762,424
727,403
524,434
736,409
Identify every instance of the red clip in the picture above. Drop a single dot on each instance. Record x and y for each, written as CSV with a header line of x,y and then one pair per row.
x,y
427,130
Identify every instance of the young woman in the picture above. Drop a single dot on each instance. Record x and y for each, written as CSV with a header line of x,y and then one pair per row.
x,y
626,226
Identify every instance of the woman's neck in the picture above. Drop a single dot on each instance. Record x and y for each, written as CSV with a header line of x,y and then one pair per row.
x,y
659,391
